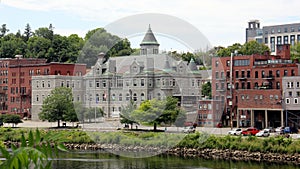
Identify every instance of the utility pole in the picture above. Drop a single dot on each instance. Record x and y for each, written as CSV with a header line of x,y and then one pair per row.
x,y
231,85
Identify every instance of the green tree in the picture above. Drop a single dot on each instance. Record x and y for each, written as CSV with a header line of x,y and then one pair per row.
x,y
58,106
295,52
99,40
126,114
11,45
253,47
158,112
206,90
230,49
27,33
3,30
11,118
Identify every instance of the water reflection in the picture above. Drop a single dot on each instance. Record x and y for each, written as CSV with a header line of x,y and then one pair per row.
x,y
104,160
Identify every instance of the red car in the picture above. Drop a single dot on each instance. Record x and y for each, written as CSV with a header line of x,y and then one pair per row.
x,y
250,131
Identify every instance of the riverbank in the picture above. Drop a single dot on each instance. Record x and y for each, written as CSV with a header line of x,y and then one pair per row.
x,y
273,149
227,154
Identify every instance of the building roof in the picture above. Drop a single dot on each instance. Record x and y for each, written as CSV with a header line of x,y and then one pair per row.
x,y
149,38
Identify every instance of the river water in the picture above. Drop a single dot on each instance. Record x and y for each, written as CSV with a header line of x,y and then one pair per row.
x,y
105,160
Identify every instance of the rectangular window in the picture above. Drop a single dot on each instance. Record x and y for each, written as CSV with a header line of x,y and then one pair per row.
x,y
285,40
217,75
285,73
292,39
236,74
272,40
295,100
142,82
278,40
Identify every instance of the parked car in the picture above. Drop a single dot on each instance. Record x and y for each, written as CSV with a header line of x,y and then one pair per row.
x,y
250,131
270,129
189,129
237,131
279,130
263,133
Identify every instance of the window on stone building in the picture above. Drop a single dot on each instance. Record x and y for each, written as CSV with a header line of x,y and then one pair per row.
x,y
134,97
104,83
285,73
142,82
290,94
142,96
158,96
248,85
248,73
298,93
37,98
256,74
296,101
37,84
287,101
62,83
127,96
97,83
120,97
134,82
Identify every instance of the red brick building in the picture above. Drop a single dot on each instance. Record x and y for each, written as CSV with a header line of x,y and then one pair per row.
x,y
255,96
15,81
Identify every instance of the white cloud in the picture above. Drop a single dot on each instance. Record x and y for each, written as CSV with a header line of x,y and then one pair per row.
x,y
223,22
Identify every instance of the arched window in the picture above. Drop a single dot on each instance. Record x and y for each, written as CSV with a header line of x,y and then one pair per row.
x,y
134,97
120,97
97,98
127,96
113,97
142,96
158,96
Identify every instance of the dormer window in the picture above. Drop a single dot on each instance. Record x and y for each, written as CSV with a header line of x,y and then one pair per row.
x,y
134,69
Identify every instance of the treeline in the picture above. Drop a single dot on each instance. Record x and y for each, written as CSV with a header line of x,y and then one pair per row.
x,y
44,43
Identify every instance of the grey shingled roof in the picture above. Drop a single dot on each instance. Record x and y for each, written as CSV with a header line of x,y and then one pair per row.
x,y
149,38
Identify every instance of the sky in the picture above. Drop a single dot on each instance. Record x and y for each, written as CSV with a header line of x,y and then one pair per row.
x,y
221,22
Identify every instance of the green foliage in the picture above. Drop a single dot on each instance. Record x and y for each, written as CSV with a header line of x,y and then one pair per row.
x,y
159,112
126,113
33,151
59,106
249,48
295,52
206,90
11,118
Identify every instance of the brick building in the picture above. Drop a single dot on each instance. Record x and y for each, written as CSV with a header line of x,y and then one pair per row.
x,y
250,89
15,81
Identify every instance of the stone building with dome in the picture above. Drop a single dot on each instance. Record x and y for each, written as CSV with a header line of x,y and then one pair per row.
x,y
112,83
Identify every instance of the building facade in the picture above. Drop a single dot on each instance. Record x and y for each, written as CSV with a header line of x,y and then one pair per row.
x,y
249,88
291,100
112,83
273,35
15,81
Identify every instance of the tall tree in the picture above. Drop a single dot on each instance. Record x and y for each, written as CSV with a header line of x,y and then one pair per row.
x,y
27,33
3,30
58,106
